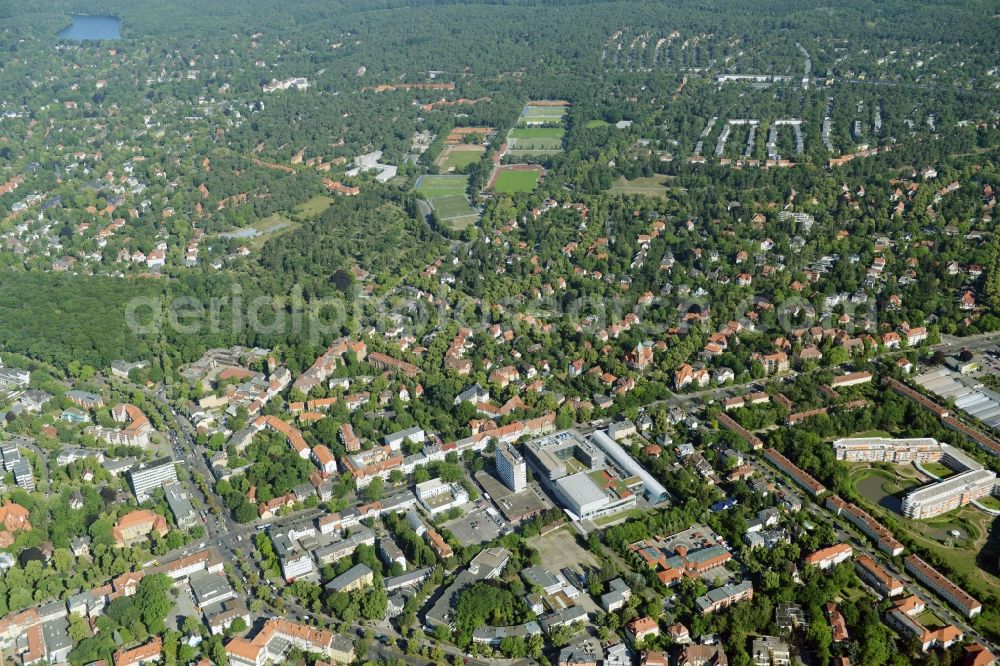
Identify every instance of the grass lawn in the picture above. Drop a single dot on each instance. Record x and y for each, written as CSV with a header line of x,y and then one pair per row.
x,y
537,133
591,124
938,469
516,181
313,207
618,517
990,502
855,594
270,227
930,620
440,186
653,186
450,158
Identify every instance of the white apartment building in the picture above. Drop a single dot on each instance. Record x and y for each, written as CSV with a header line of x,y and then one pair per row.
x,y
511,467
884,449
948,494
147,477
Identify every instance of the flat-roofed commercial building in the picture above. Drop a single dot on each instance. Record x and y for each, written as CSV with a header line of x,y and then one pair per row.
x,y
552,455
437,496
584,498
180,505
654,490
948,494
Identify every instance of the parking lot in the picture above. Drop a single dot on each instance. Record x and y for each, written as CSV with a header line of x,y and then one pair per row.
x,y
515,507
183,607
476,526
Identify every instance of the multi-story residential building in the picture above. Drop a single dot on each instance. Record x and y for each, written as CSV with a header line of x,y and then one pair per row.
x,y
327,362
23,476
511,467
382,361
324,459
829,557
390,553
904,617
617,595
852,379
770,651
804,480
135,433
936,581
366,465
395,440
621,429
723,597
355,578
697,655
14,377
143,654
883,537
642,628
348,438
877,577
144,478
276,638
888,450
773,363
359,536
947,494
292,434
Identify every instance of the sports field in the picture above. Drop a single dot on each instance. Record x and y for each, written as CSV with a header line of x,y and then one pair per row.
x,y
452,206
532,115
537,133
458,157
535,140
430,186
509,181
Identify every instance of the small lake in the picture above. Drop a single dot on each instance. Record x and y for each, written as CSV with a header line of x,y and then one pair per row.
x,y
97,28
